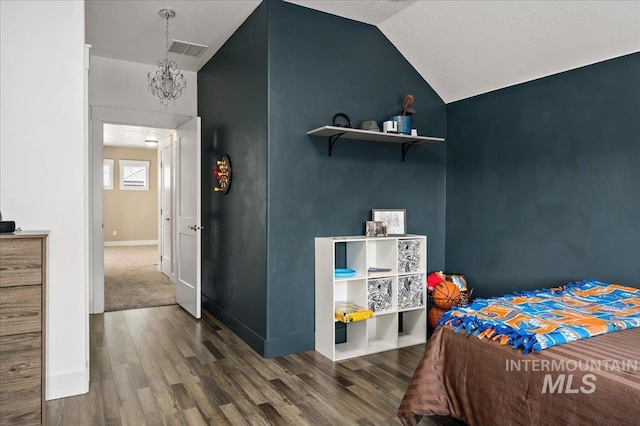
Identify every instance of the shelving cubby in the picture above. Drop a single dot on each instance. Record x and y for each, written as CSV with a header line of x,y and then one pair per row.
x,y
397,296
414,328
382,253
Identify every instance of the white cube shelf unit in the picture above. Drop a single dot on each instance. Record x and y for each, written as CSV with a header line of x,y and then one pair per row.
x,y
397,297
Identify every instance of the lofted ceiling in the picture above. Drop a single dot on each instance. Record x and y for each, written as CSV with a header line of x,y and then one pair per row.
x,y
461,48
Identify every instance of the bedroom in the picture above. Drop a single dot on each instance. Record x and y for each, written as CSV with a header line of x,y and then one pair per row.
x,y
471,225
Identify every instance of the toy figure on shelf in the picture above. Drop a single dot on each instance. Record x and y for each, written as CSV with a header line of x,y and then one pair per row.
x,y
222,173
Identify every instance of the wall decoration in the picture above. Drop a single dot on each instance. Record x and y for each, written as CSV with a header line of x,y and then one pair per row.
x,y
375,229
395,219
404,120
222,173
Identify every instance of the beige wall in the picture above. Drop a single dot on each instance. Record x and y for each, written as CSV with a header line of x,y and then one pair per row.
x,y
132,214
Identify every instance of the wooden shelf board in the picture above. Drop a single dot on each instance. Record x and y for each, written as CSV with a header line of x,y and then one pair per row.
x,y
348,350
379,346
405,340
353,278
402,274
368,135
391,311
413,308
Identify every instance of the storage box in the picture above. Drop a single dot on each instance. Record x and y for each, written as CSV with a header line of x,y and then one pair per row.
x,y
410,290
347,312
409,256
379,294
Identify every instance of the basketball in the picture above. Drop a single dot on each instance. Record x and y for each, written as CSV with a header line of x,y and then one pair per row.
x,y
446,294
434,316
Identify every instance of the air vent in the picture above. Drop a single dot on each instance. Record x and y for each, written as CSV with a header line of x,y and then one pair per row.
x,y
186,48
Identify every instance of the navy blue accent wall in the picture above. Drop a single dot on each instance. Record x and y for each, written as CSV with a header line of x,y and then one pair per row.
x,y
285,71
232,101
320,64
543,181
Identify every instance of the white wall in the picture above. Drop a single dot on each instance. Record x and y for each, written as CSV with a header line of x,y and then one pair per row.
x,y
42,166
118,94
122,84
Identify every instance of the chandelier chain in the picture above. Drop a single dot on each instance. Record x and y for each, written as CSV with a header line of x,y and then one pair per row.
x,y
165,80
167,33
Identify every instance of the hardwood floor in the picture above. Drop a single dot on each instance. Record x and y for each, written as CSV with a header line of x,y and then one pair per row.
x,y
160,366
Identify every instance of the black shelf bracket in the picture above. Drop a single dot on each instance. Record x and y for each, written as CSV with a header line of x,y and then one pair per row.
x,y
332,141
406,146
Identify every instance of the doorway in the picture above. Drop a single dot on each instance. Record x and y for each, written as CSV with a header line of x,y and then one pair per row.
x,y
137,174
105,116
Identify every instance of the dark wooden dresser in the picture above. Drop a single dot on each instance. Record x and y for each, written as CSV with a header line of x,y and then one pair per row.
x,y
23,263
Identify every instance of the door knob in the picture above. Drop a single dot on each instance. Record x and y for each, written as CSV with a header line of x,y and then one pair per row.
x,y
196,227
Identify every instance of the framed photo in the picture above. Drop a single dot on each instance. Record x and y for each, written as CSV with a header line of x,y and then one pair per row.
x,y
376,229
396,220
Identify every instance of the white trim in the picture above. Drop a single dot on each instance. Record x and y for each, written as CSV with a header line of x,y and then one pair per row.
x,y
110,162
99,114
130,243
135,117
97,216
67,384
88,241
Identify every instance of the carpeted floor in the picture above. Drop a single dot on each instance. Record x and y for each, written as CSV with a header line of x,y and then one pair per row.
x,y
132,279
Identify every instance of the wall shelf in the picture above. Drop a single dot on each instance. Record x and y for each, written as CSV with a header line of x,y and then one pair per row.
x,y
335,132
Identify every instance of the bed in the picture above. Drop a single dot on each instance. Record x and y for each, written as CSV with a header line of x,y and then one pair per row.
x,y
594,380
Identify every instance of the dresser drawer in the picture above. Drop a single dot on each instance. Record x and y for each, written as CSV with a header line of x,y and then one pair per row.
x,y
20,261
20,310
21,379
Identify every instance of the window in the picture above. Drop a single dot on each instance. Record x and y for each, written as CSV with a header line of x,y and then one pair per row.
x,y
134,175
107,173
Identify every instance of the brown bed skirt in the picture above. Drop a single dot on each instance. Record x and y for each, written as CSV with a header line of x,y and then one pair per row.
x,y
590,381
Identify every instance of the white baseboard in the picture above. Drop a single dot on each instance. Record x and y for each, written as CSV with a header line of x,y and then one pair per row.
x,y
131,243
68,384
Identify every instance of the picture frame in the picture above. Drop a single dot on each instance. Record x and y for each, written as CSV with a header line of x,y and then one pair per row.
x,y
375,229
396,220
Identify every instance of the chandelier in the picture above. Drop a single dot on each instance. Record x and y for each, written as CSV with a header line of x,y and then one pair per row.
x,y
165,79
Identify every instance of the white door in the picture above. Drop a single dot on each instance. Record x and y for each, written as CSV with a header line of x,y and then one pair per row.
x,y
188,232
166,203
